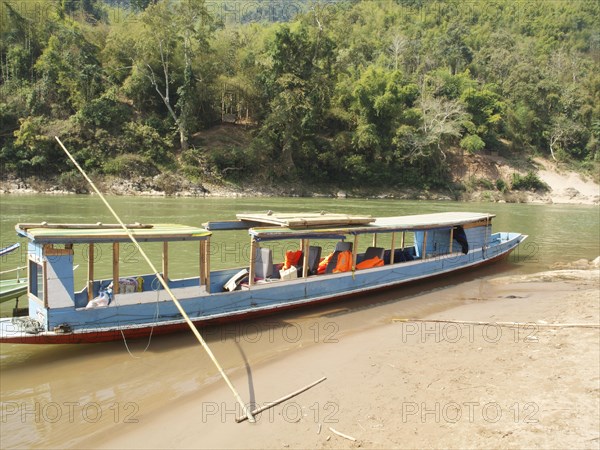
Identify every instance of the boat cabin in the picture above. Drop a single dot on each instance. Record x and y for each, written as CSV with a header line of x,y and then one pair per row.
x,y
51,252
410,238
51,255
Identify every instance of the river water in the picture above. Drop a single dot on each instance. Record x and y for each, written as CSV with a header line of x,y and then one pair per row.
x,y
58,396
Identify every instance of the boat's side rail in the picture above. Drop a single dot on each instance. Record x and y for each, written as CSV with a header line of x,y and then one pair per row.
x,y
182,293
143,284
150,307
148,284
500,245
485,247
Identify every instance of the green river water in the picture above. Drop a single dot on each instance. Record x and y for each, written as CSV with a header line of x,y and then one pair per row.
x,y
57,396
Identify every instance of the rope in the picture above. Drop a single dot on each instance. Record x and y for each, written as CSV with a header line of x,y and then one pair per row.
x,y
28,325
151,330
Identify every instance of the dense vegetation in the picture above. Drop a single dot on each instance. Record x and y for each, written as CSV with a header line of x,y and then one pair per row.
x,y
370,92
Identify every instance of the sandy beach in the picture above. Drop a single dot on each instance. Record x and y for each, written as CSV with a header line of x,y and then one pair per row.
x,y
462,378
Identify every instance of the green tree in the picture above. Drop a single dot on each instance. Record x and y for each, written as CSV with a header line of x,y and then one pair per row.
x,y
563,135
172,38
70,71
297,85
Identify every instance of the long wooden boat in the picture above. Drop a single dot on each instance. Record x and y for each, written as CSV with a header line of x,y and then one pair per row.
x,y
13,288
9,249
417,247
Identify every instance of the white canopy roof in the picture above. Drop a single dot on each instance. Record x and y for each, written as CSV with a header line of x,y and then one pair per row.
x,y
431,220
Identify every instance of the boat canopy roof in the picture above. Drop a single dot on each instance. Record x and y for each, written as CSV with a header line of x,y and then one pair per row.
x,y
379,225
307,219
435,220
98,233
290,220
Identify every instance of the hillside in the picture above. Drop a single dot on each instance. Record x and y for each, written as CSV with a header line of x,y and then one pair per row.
x,y
364,96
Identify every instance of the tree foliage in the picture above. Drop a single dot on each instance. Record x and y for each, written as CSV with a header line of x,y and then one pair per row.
x,y
376,92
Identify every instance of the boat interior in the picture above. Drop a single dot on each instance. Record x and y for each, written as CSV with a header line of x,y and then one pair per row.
x,y
328,245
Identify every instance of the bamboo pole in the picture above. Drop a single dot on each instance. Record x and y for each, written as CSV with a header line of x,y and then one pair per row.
x,y
16,269
354,250
29,276
165,261
306,246
253,248
45,282
201,263
90,272
162,281
204,264
207,264
282,399
81,226
115,267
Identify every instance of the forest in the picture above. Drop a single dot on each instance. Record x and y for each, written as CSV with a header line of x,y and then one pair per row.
x,y
339,92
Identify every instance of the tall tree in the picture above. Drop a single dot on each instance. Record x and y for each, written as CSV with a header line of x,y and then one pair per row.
x,y
174,35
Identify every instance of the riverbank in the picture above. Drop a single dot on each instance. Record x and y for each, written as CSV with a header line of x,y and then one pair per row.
x,y
564,186
472,181
447,381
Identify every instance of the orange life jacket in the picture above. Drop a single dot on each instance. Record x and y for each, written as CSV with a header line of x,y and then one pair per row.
x,y
292,258
323,264
344,262
368,263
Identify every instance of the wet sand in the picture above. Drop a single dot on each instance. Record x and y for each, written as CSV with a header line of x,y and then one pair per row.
x,y
408,384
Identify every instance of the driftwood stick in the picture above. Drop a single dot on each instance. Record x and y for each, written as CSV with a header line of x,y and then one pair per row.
x,y
345,436
281,400
504,324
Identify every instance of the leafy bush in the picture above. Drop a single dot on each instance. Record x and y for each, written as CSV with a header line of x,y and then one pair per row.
x,y
129,165
472,143
104,113
529,182
73,181
487,196
486,184
146,141
33,152
168,183
501,185
231,162
474,184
